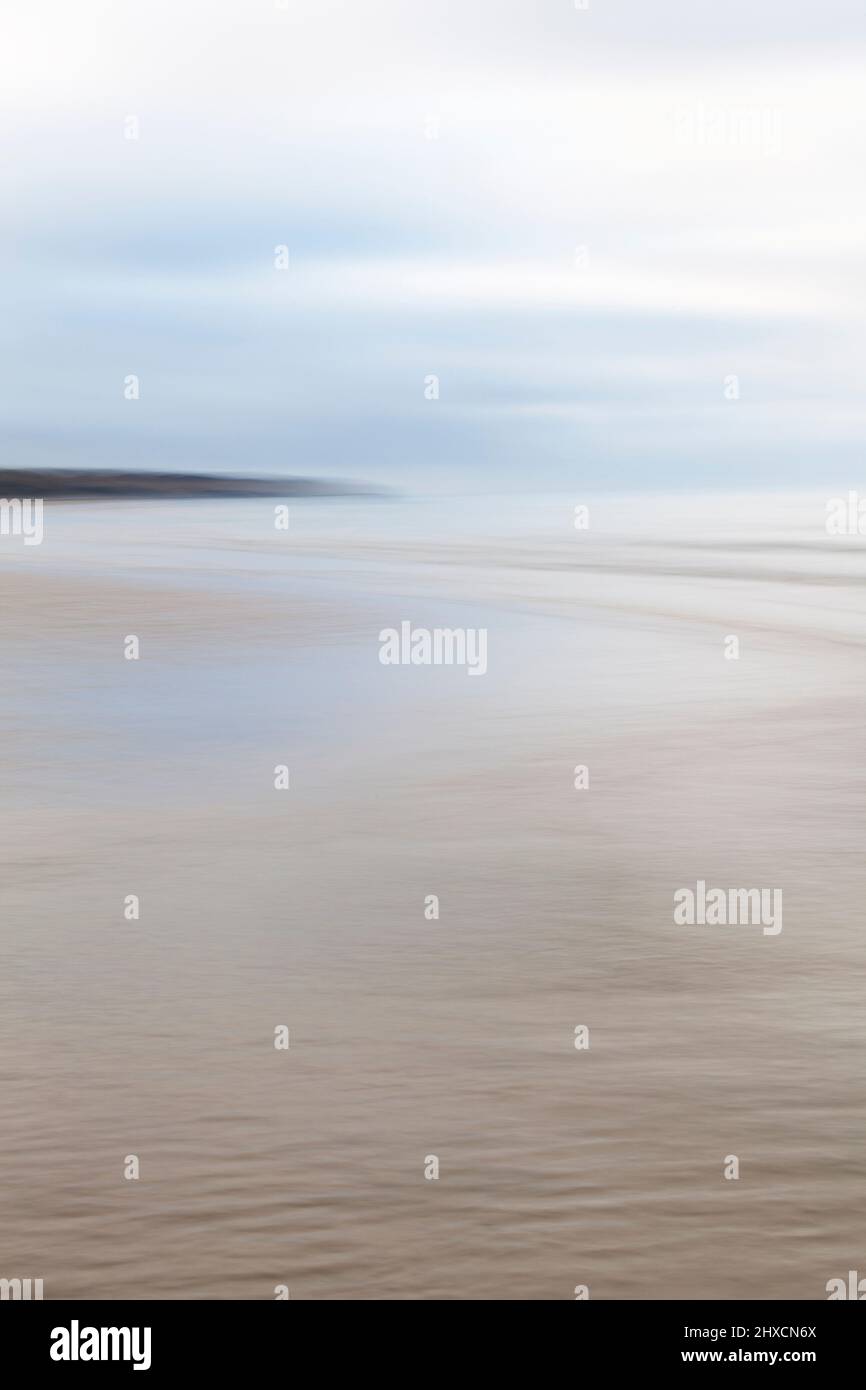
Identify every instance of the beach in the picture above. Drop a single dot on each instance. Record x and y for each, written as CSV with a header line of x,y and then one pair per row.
x,y
453,1036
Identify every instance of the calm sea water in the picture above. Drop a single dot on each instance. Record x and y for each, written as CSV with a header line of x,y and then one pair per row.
x,y
412,1037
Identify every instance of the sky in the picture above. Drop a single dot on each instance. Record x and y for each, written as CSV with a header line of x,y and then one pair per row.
x,y
627,240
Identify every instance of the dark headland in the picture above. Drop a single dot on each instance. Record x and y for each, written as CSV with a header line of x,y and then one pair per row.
x,y
116,483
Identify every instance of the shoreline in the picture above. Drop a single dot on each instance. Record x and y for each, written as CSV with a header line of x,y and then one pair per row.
x,y
72,483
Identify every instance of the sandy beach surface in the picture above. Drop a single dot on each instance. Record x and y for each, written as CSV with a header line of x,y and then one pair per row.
x,y
413,1037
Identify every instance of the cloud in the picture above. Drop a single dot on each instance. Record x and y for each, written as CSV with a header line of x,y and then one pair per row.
x,y
506,195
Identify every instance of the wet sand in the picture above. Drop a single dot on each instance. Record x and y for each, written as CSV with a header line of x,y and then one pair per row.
x,y
412,1037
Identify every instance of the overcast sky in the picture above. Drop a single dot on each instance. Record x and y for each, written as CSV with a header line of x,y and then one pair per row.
x,y
583,222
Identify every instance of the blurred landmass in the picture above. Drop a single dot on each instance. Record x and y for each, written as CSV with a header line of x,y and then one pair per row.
x,y
117,483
